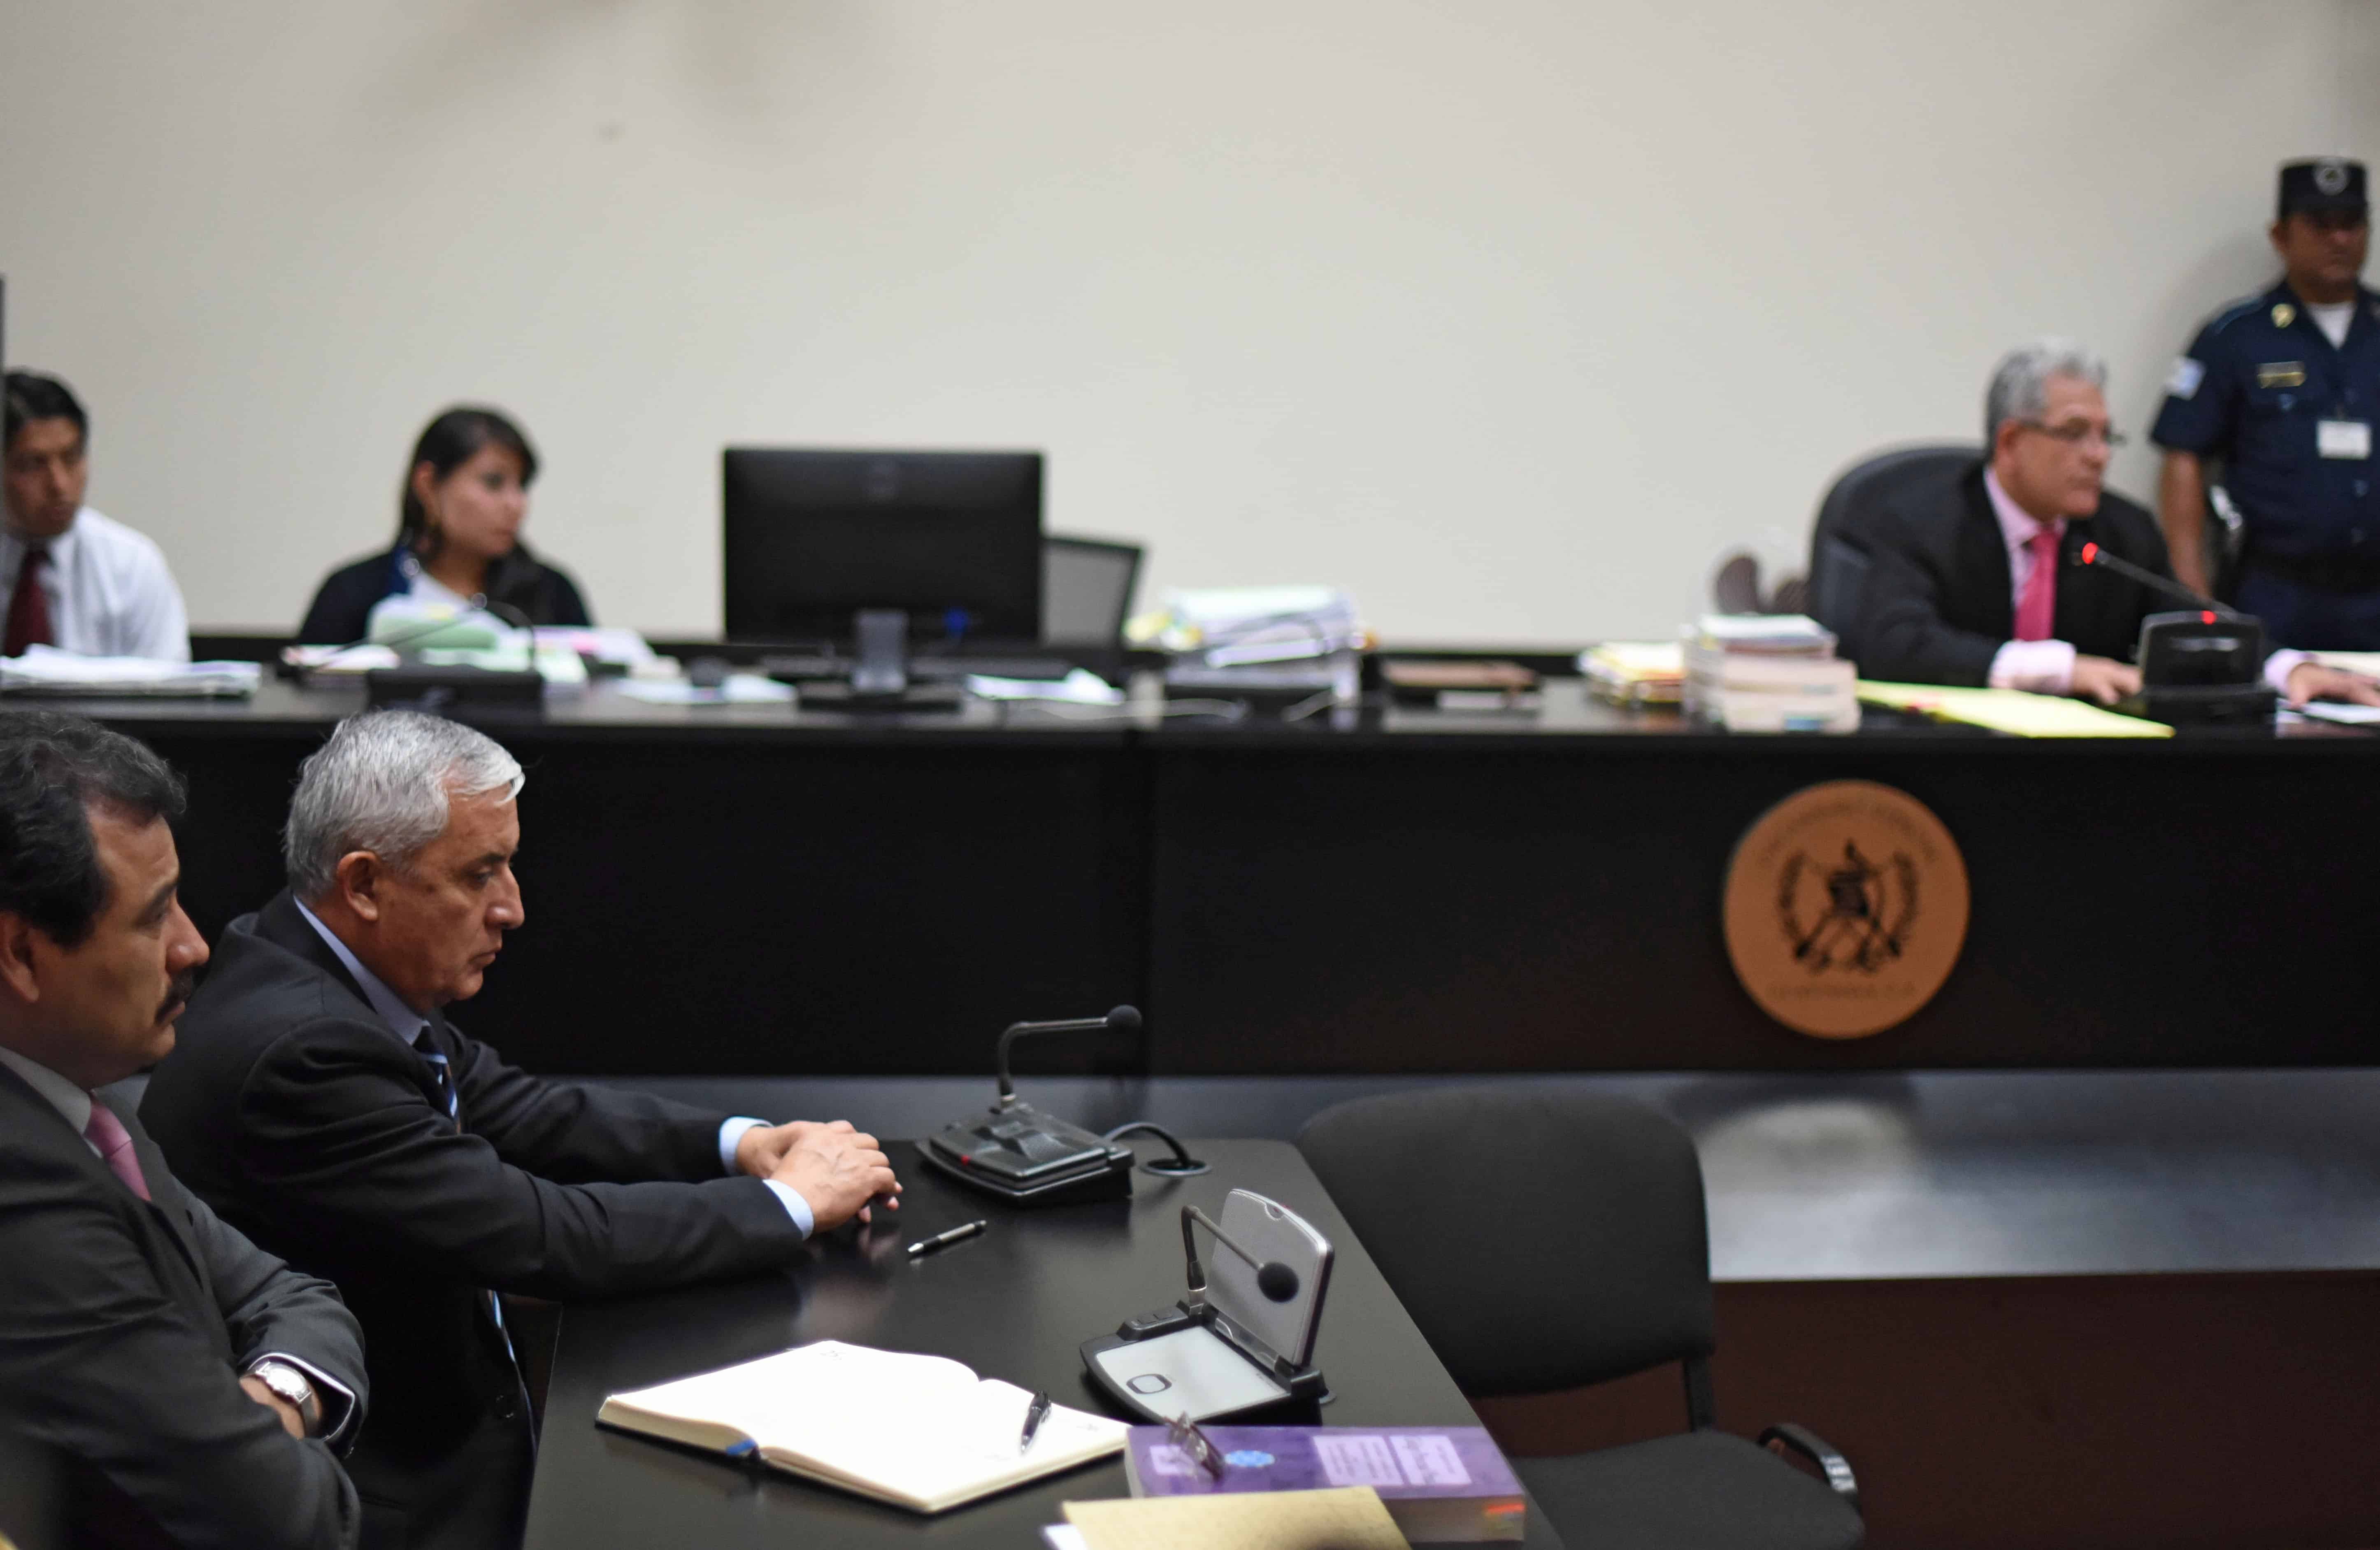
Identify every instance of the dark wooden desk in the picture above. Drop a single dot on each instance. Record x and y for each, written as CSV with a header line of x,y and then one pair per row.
x,y
1012,1303
765,890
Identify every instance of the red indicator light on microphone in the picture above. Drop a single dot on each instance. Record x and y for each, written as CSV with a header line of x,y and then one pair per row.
x,y
2090,553
2205,618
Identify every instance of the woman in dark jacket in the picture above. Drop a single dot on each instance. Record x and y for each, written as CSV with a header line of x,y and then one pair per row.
x,y
457,537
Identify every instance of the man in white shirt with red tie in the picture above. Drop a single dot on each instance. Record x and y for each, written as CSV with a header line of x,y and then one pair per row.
x,y
1973,579
71,577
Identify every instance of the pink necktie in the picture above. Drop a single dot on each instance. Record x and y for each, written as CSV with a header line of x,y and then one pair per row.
x,y
114,1142
2038,606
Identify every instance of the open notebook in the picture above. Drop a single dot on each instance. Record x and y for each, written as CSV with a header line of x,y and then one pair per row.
x,y
919,1432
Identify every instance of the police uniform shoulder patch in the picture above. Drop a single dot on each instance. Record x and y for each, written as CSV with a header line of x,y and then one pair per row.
x,y
2183,379
2283,315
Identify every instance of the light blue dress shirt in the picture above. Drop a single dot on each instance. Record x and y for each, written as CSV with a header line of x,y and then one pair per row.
x,y
409,1025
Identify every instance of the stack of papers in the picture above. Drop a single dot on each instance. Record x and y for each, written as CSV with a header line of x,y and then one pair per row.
x,y
1230,627
1635,672
47,670
608,644
2012,711
562,667
1767,634
740,688
345,661
2344,713
1081,687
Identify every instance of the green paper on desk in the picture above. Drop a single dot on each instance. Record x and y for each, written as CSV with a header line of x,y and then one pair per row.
x,y
2012,711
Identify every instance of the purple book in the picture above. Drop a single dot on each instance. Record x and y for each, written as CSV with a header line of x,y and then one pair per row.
x,y
1443,1484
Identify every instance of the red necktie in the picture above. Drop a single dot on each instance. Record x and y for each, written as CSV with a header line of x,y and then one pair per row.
x,y
114,1142
29,608
2038,606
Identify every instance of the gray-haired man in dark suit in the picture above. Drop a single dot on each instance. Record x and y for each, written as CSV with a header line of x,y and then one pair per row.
x,y
321,1100
195,1385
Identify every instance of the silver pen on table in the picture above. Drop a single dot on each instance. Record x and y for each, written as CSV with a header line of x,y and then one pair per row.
x,y
945,1239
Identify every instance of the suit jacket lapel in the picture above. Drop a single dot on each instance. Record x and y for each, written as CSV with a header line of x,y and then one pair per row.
x,y
1983,554
2082,593
2095,608
163,1203
280,923
31,1116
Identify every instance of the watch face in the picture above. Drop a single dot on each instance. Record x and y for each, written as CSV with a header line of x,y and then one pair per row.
x,y
287,1382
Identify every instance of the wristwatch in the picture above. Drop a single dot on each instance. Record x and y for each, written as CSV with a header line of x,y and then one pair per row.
x,y
293,1388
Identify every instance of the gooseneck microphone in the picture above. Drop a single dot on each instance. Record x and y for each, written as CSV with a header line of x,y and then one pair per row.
x,y
1276,1280
1120,1020
2092,555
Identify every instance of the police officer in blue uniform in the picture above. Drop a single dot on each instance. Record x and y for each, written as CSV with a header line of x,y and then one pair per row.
x,y
2283,390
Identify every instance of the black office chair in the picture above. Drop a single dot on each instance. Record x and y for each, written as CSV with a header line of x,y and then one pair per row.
x,y
1087,586
1842,539
1549,1240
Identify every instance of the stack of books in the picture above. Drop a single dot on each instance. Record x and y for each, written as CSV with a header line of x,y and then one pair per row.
x,y
1768,673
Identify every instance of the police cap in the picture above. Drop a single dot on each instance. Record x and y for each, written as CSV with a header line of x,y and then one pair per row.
x,y
2323,183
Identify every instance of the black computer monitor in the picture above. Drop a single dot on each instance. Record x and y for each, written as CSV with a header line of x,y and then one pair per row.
x,y
812,537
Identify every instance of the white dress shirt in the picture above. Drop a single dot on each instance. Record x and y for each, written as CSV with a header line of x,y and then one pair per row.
x,y
337,1401
110,592
409,1025
2048,667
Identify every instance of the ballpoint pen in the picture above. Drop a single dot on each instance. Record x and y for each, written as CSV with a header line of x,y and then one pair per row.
x,y
1035,1413
945,1239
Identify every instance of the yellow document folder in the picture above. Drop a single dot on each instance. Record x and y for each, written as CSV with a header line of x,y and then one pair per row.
x,y
1347,1518
2012,711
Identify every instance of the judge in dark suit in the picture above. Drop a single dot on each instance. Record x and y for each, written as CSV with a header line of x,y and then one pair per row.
x,y
194,1386
1972,578
321,1102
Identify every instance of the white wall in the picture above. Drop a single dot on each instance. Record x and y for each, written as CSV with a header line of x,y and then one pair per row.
x,y
1508,316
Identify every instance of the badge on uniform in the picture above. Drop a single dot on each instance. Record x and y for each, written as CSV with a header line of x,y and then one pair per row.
x,y
2343,438
2283,315
2281,374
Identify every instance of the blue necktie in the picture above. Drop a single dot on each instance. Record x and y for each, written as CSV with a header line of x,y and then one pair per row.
x,y
445,1079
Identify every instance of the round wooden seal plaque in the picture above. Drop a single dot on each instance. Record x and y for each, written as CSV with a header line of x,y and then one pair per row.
x,y
1845,907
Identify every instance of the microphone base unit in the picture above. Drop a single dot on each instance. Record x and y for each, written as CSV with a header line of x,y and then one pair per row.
x,y
830,695
2204,704
2201,669
1019,1154
455,692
